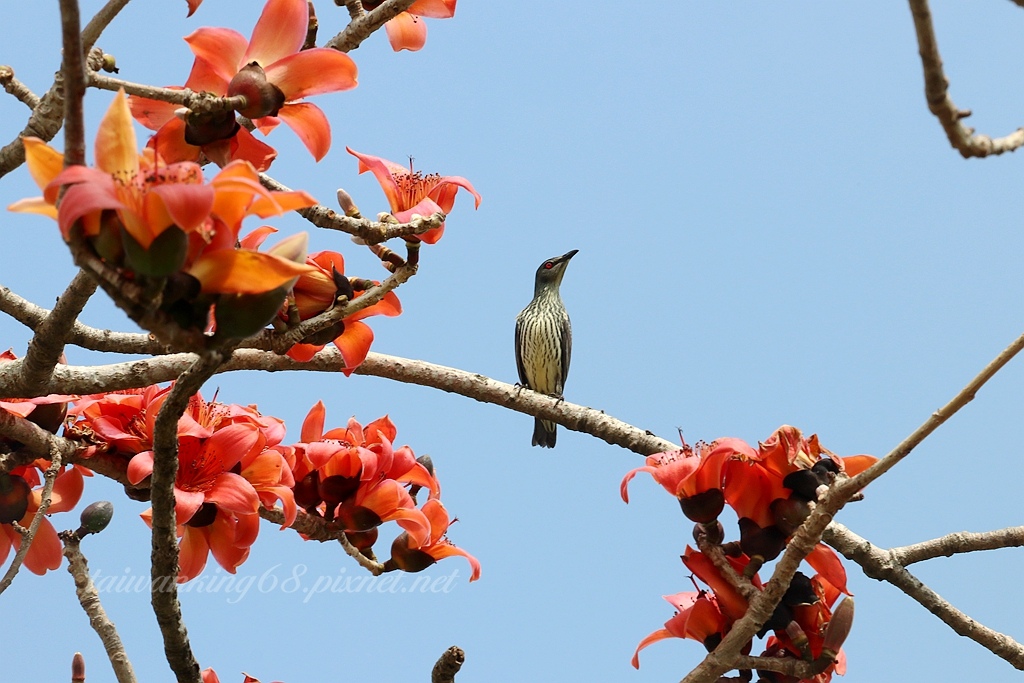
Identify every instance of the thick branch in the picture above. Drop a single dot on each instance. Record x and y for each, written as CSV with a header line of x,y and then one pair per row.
x,y
164,557
47,345
882,565
74,84
35,442
936,90
89,598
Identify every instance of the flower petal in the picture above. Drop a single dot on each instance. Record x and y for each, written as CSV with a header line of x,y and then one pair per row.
x,y
406,32
313,72
240,271
117,152
310,124
280,31
435,9
354,343
221,48
44,162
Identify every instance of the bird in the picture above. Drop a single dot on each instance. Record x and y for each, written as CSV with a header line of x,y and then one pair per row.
x,y
544,341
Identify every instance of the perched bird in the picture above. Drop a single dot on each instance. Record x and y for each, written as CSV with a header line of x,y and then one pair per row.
x,y
544,341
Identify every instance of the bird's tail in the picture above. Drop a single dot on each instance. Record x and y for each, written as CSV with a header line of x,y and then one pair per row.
x,y
544,433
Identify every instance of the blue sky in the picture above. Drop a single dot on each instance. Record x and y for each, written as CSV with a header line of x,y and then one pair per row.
x,y
772,229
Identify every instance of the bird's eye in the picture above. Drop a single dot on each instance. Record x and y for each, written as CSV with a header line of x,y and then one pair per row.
x,y
549,265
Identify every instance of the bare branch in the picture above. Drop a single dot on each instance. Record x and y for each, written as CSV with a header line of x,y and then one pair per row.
x,y
961,542
936,90
74,84
15,87
882,565
35,442
965,396
89,598
369,232
47,345
203,102
319,529
164,570
361,27
448,665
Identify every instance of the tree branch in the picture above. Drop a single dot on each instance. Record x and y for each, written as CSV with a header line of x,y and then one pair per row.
x,y
15,87
369,232
74,84
44,504
47,344
961,542
936,90
882,565
448,665
164,557
361,27
89,598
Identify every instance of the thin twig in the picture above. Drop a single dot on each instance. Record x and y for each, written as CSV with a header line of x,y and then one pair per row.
x,y
200,102
369,232
89,598
92,31
44,504
164,557
936,90
882,565
965,396
15,87
361,27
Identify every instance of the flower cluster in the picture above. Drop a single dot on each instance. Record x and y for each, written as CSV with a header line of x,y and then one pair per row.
x,y
231,460
772,489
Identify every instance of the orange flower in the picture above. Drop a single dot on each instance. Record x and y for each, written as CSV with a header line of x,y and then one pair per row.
x,y
410,192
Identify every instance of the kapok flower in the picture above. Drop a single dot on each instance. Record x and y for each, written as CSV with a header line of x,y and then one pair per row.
x,y
405,555
412,193
698,618
317,291
693,474
45,552
273,72
148,197
407,30
173,140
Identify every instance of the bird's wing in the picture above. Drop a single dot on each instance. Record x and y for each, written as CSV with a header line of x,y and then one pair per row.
x,y
519,353
566,348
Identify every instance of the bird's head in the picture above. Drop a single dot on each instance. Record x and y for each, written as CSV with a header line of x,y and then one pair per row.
x,y
550,273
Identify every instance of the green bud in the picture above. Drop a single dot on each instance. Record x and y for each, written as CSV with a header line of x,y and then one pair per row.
x,y
96,517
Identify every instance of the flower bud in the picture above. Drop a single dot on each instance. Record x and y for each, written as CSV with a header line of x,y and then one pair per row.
x,y
347,204
408,559
78,668
95,517
838,629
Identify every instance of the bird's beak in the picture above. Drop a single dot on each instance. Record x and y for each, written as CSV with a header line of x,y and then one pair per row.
x,y
565,257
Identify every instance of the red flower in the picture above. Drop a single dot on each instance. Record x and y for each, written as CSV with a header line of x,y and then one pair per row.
x,y
410,192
